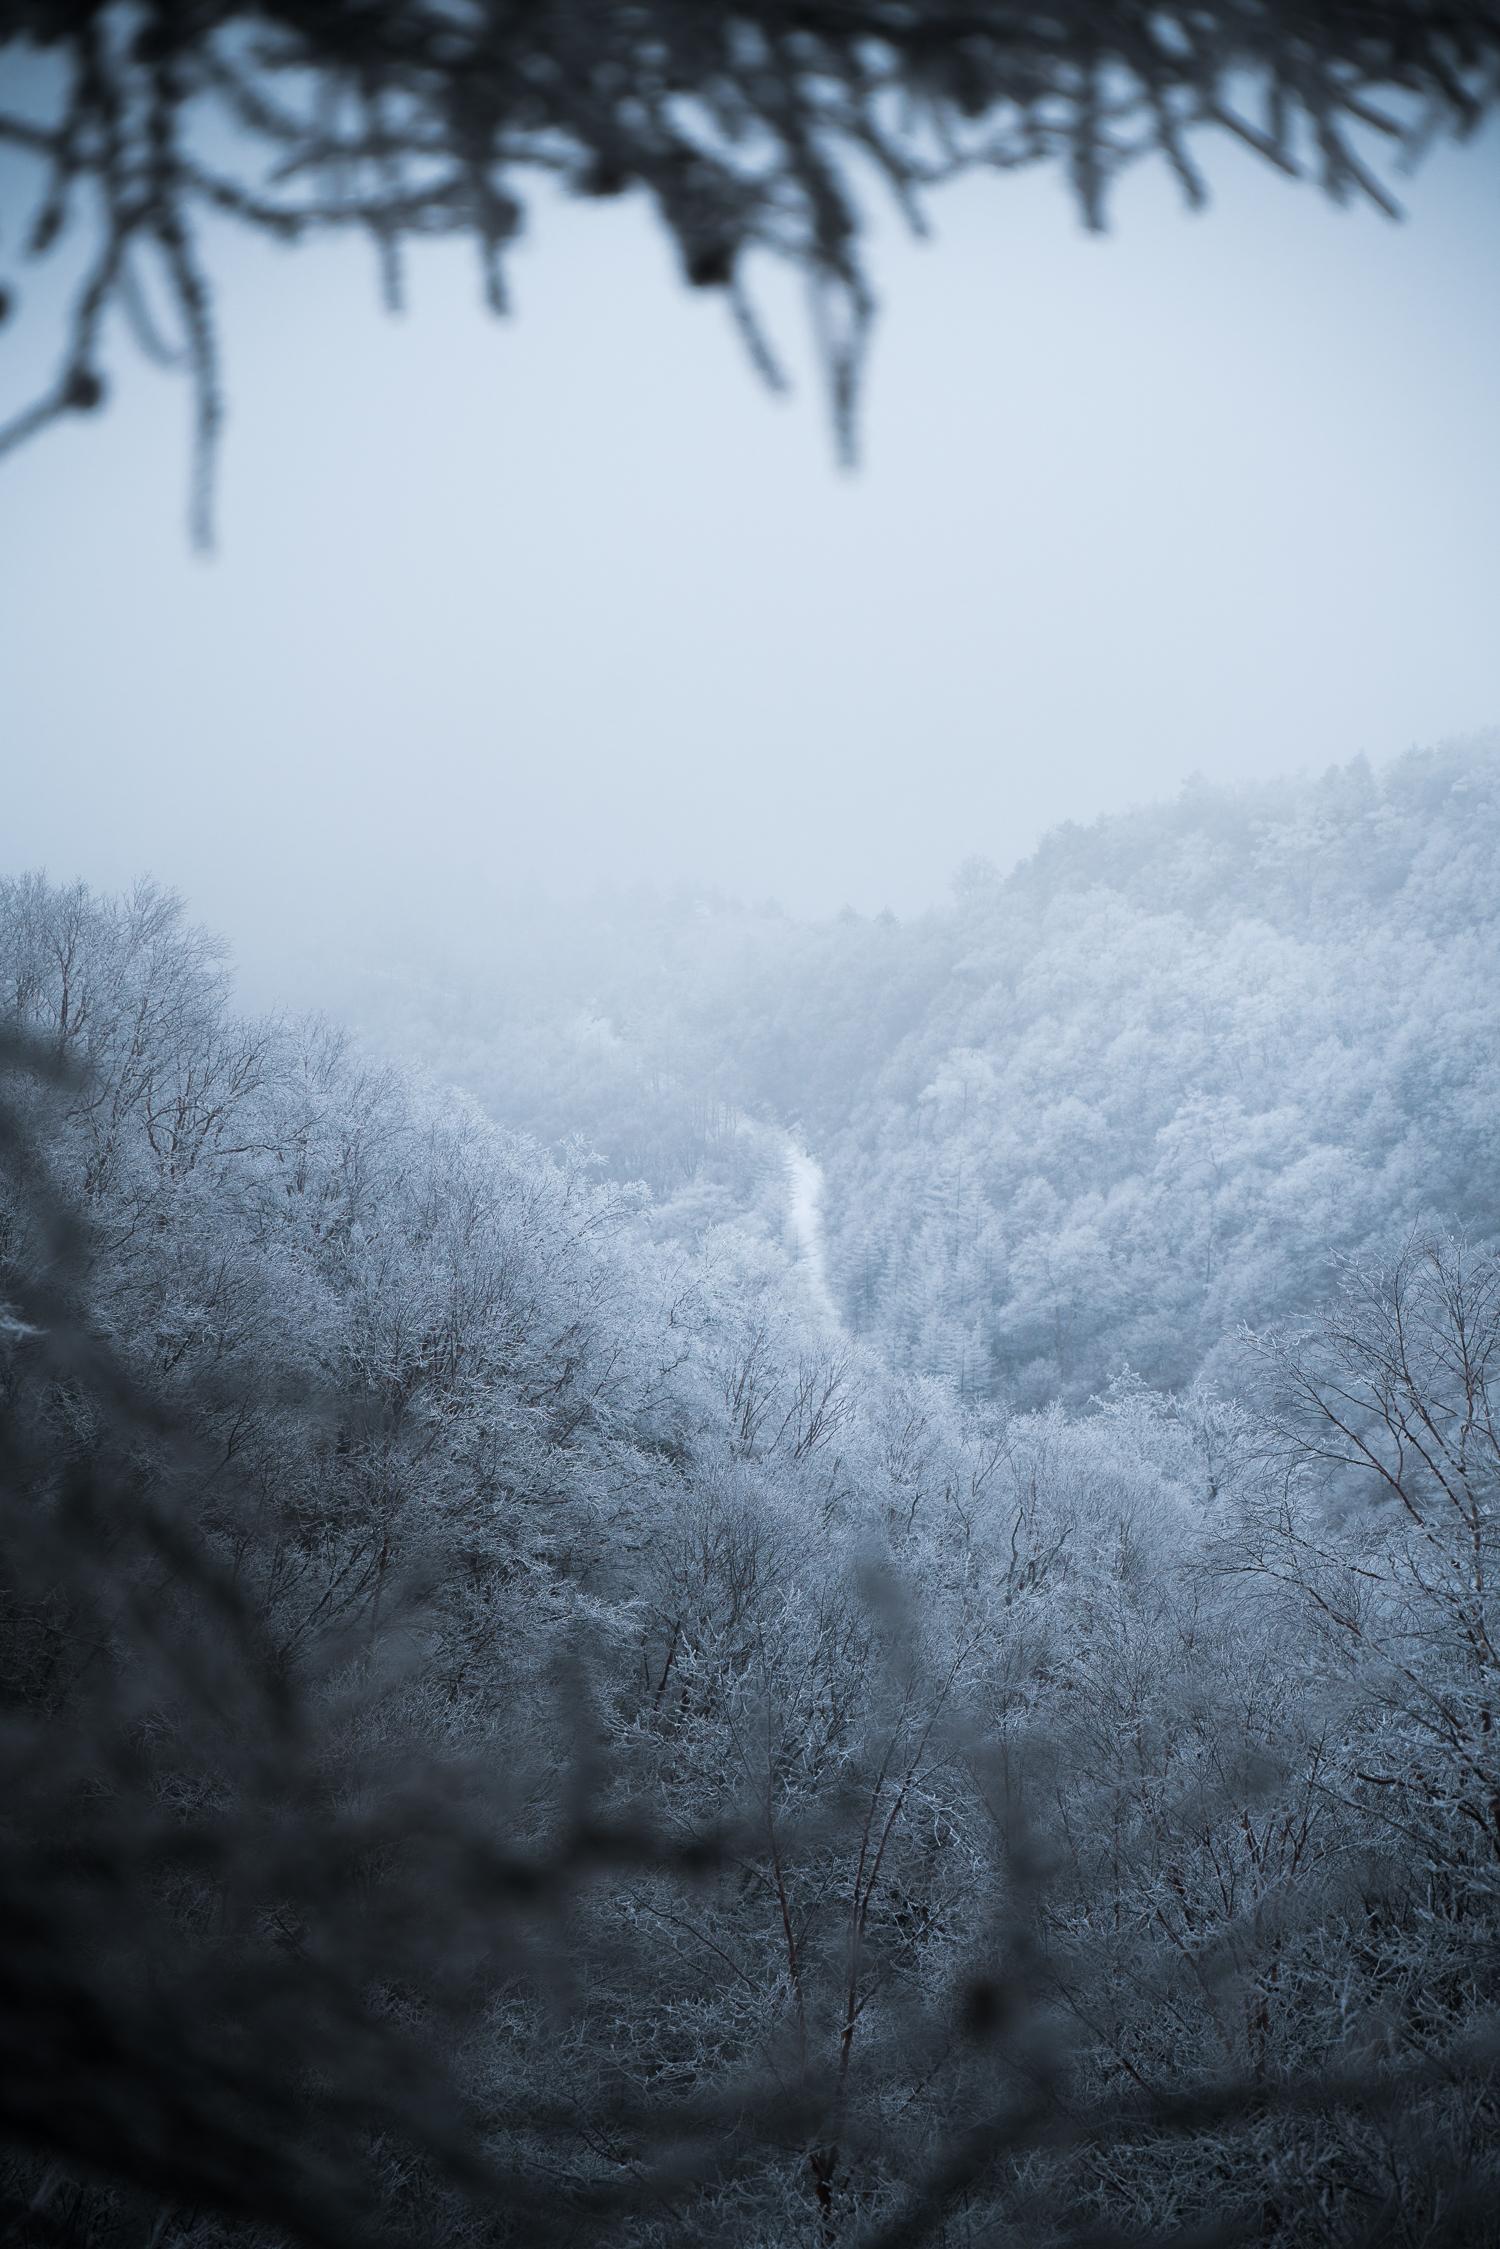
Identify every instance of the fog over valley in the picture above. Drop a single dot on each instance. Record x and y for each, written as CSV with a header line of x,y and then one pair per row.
x,y
569,600
749,1126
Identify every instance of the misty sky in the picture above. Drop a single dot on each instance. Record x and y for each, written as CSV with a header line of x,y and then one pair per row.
x,y
571,598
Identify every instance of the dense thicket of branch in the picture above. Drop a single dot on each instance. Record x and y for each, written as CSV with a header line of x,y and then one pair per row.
x,y
759,125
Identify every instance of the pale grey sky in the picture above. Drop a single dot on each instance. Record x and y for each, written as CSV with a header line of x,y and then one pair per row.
x,y
570,598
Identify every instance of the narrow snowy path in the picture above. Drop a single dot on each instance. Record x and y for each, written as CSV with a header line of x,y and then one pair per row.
x,y
805,1220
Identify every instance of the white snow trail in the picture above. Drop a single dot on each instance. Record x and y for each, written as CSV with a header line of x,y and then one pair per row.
x,y
805,1222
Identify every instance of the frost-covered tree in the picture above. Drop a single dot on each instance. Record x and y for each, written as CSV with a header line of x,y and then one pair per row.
x,y
518,1730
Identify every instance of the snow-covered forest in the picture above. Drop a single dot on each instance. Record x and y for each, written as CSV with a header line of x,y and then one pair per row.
x,y
696,1577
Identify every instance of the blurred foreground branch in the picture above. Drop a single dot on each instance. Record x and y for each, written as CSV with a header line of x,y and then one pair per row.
x,y
761,126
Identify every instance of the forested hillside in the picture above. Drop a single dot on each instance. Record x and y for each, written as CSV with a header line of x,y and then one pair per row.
x,y
1094,1116
1180,1057
520,1726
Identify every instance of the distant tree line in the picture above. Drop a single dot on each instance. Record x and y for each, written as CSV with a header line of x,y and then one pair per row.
x,y
1097,1114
